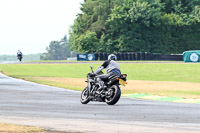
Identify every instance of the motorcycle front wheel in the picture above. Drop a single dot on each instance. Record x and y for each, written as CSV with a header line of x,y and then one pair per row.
x,y
113,95
85,96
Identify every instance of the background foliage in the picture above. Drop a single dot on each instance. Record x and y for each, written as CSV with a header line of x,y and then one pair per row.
x,y
57,50
158,26
29,57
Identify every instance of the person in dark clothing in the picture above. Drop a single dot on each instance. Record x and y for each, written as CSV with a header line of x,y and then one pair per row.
x,y
19,55
112,68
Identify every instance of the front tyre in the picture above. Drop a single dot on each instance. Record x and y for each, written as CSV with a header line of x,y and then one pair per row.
x,y
113,95
85,96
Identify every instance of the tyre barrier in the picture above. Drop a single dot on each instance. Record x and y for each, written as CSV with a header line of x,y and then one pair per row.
x,y
140,56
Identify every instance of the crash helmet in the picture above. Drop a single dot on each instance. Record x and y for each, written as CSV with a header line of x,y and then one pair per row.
x,y
112,57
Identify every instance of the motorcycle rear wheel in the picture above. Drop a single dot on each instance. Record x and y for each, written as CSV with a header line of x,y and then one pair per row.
x,y
85,96
115,94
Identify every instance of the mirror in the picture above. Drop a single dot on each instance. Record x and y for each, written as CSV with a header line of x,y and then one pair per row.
x,y
91,67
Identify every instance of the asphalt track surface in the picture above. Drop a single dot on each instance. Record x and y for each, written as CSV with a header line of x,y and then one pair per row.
x,y
53,108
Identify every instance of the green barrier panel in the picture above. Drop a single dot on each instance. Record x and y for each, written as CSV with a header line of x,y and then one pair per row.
x,y
169,99
191,56
85,57
137,95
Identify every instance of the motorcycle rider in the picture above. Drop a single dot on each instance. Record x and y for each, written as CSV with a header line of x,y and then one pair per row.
x,y
19,55
112,68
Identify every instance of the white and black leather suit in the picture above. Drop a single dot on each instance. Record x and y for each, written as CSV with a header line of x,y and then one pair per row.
x,y
19,53
112,68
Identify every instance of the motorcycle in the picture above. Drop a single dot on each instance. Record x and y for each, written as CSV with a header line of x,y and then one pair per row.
x,y
110,94
19,57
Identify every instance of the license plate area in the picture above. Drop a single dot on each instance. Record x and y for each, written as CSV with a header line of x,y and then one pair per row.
x,y
122,82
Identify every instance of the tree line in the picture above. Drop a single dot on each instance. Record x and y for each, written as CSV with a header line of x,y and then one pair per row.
x,y
29,57
157,26
57,50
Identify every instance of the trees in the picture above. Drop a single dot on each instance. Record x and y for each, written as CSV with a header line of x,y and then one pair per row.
x,y
57,50
119,29
87,42
91,22
161,26
146,13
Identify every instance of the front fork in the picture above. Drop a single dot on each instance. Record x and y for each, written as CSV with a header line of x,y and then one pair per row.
x,y
91,85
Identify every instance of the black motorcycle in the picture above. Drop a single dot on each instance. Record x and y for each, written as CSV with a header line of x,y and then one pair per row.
x,y
19,57
109,94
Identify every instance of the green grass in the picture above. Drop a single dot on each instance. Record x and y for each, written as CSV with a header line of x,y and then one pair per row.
x,y
188,72
45,70
182,92
61,85
163,72
51,61
155,72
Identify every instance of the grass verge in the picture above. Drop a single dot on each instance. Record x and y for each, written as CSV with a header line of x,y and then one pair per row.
x,y
160,79
44,61
153,72
163,88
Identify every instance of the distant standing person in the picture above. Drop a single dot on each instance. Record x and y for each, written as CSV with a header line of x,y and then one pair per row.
x,y
19,55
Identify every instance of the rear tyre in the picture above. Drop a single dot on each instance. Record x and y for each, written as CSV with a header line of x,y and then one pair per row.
x,y
85,96
113,95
